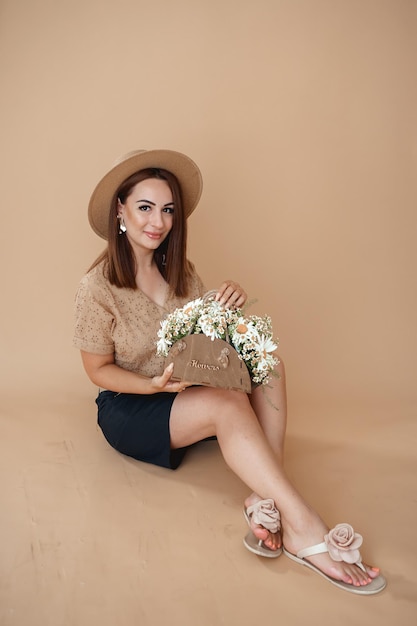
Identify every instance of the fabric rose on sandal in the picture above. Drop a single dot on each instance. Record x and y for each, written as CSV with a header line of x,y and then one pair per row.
x,y
343,543
266,514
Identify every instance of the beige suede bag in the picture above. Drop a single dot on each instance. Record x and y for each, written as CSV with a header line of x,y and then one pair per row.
x,y
201,360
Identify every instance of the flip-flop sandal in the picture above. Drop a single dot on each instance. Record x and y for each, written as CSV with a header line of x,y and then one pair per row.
x,y
342,544
267,515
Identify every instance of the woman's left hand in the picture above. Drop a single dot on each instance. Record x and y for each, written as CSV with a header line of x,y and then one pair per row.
x,y
231,295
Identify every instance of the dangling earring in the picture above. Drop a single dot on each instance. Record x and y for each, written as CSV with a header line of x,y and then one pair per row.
x,y
164,260
122,227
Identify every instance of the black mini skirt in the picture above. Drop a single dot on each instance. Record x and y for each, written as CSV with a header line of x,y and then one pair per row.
x,y
138,426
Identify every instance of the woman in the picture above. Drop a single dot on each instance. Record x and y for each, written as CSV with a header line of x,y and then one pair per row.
x,y
141,207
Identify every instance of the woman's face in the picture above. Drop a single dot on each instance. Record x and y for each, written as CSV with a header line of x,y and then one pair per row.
x,y
148,213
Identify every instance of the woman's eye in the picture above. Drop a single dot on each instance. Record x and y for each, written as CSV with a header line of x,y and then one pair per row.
x,y
144,207
169,209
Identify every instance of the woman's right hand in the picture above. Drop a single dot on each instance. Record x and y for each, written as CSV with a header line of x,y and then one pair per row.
x,y
164,383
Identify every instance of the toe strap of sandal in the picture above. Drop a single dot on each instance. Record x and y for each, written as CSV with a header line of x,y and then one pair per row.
x,y
266,514
342,544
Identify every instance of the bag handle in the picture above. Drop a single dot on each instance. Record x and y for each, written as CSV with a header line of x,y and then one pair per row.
x,y
210,295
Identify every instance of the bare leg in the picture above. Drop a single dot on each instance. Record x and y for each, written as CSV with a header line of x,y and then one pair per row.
x,y
270,406
200,412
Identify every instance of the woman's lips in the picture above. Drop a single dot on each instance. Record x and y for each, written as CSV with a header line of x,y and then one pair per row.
x,y
153,235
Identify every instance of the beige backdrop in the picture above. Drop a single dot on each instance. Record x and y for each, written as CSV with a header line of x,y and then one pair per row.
x,y
302,117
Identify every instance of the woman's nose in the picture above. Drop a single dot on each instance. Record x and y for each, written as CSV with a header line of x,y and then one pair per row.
x,y
156,219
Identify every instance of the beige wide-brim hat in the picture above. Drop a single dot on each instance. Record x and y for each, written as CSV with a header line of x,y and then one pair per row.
x,y
183,168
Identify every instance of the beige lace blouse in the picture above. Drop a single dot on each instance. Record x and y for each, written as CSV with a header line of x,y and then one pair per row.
x,y
125,322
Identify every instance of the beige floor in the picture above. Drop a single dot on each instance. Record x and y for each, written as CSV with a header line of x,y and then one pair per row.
x,y
92,537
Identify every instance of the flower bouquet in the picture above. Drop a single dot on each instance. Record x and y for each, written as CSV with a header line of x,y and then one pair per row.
x,y
234,350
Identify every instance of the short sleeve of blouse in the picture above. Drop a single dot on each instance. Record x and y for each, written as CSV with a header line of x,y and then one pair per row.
x,y
94,320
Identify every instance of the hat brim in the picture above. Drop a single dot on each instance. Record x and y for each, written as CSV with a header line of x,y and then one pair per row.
x,y
184,169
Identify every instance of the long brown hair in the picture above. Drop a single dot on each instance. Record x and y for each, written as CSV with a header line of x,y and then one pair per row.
x,y
170,257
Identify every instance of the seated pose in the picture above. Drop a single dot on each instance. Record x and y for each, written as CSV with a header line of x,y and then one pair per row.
x,y
141,208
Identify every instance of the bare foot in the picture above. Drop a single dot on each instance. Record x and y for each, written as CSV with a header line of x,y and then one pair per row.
x,y
311,532
273,541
